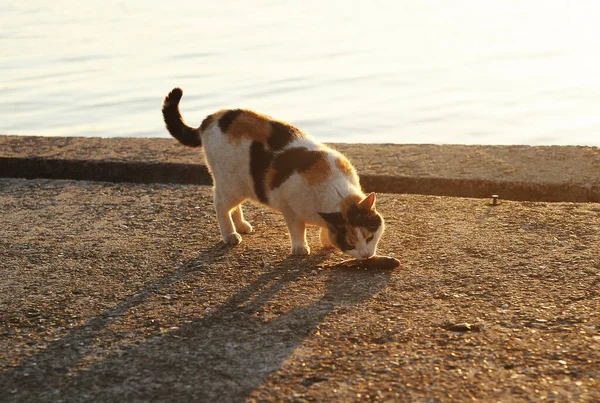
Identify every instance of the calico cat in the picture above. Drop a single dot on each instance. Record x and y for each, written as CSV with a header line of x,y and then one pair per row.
x,y
252,156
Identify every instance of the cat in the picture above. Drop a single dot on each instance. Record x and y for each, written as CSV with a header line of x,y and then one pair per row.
x,y
252,156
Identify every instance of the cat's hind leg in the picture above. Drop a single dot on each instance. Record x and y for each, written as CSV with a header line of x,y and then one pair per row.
x,y
242,226
224,204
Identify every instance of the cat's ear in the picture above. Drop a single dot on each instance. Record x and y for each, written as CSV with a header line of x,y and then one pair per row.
x,y
334,220
368,203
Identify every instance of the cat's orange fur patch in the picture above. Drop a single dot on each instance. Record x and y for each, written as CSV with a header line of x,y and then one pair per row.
x,y
364,232
318,172
344,166
250,125
351,237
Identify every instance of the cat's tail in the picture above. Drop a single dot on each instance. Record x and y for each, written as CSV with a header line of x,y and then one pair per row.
x,y
175,124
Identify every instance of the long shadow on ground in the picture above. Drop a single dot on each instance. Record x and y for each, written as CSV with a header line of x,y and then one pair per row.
x,y
222,356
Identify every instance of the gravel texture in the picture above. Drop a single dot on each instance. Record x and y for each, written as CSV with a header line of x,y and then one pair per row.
x,y
123,292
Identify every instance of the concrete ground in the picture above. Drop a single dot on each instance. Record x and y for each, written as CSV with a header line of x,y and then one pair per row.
x,y
123,292
553,173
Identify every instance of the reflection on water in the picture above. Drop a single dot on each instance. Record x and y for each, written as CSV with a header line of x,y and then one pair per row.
x,y
409,71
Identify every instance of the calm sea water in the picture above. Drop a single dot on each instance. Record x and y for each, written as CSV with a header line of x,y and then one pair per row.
x,y
403,71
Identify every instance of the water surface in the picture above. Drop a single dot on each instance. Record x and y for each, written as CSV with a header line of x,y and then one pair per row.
x,y
407,71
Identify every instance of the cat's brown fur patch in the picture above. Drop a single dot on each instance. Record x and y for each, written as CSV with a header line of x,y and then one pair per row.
x,y
282,134
260,161
250,125
366,222
309,163
244,123
346,202
317,172
211,119
357,217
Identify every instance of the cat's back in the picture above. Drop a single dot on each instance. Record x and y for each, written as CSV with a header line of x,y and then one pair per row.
x,y
238,127
269,154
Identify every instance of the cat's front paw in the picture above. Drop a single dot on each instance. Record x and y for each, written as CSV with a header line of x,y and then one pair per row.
x,y
243,227
232,239
300,250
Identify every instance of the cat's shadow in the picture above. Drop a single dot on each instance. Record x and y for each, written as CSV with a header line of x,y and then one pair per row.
x,y
222,356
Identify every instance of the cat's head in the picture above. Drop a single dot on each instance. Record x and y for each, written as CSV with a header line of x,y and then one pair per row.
x,y
357,228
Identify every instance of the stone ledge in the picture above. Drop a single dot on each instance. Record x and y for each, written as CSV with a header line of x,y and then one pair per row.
x,y
554,173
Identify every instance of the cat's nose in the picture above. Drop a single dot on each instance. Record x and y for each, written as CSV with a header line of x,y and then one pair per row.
x,y
366,255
